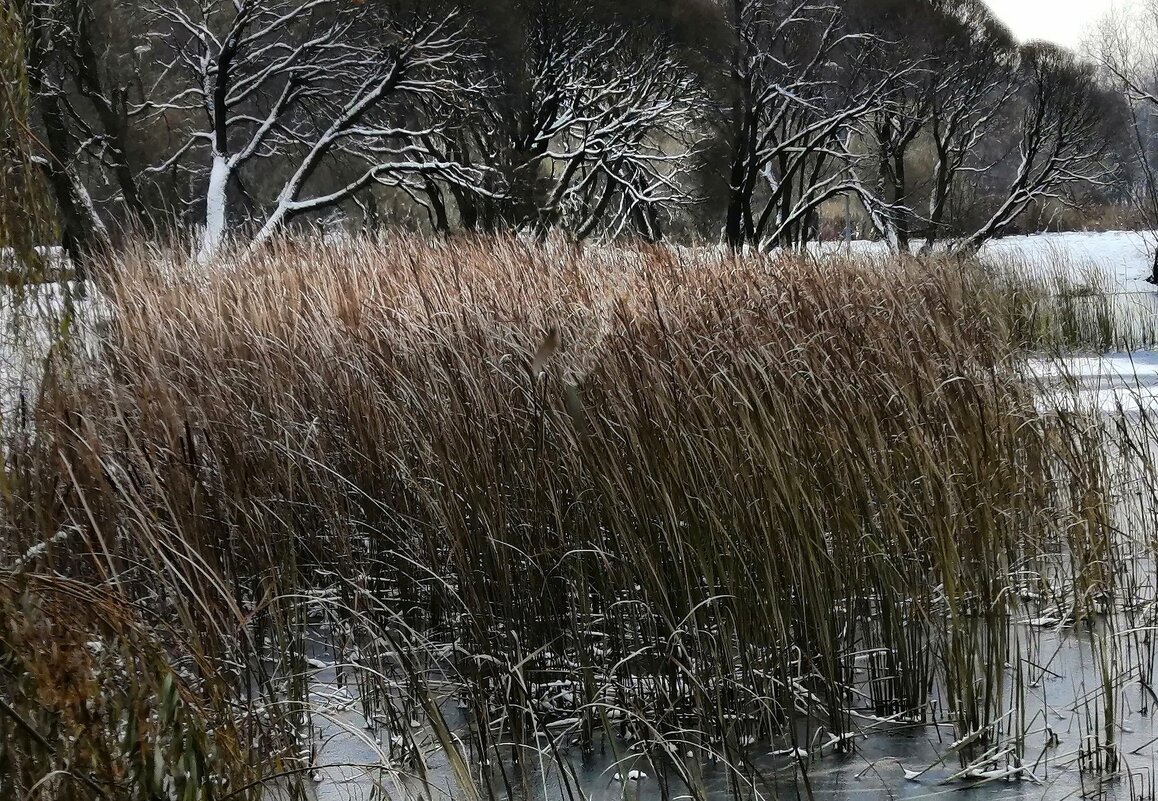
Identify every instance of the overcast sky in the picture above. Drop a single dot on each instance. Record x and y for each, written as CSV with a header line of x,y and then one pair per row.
x,y
1061,21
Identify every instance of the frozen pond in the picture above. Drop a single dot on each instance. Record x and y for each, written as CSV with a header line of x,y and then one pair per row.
x,y
889,760
1112,382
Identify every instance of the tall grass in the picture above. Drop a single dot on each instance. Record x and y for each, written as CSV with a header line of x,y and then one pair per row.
x,y
525,505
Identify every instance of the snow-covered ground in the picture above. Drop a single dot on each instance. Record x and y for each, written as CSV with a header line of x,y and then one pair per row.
x,y
1111,382
32,322
1121,259
1117,263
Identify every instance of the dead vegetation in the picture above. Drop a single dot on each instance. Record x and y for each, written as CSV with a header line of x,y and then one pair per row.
x,y
677,508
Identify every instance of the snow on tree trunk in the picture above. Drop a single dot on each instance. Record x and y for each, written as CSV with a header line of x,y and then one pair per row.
x,y
215,201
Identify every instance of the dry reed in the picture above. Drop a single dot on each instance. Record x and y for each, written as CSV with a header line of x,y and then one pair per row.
x,y
639,501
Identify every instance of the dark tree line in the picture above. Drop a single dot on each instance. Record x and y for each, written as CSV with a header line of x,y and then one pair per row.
x,y
732,120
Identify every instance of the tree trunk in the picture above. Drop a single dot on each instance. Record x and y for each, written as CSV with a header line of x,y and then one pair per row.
x,y
900,212
734,228
83,233
215,208
939,200
438,216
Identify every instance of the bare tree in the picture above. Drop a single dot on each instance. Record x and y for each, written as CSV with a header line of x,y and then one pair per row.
x,y
1063,135
953,67
1126,46
586,129
586,117
83,110
906,55
621,158
302,82
799,98
976,59
397,86
109,96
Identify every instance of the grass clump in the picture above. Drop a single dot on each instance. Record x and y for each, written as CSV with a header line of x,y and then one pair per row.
x,y
525,504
